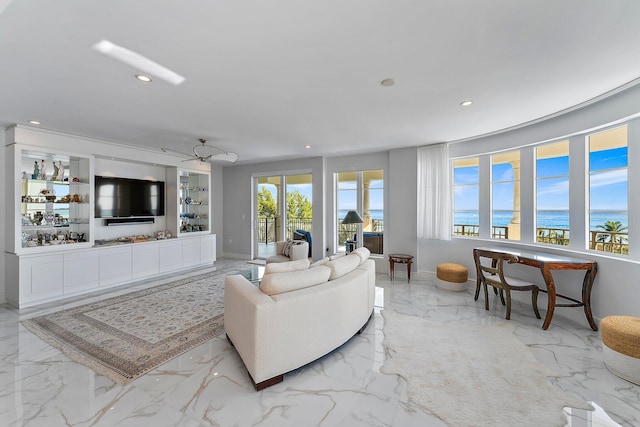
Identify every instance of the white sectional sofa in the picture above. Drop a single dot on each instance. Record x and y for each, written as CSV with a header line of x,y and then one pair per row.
x,y
297,314
298,249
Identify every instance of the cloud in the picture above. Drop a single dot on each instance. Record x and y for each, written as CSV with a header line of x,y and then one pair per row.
x,y
557,188
607,178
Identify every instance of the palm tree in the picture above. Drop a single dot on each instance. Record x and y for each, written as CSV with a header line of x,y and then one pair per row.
x,y
614,232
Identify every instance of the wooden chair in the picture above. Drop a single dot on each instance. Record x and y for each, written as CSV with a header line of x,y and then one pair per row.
x,y
493,275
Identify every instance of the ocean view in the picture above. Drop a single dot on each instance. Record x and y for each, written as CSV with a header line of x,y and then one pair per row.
x,y
375,213
546,219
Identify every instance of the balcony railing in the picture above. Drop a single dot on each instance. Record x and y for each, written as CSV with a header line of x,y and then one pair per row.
x,y
269,228
554,236
609,241
347,231
497,232
605,241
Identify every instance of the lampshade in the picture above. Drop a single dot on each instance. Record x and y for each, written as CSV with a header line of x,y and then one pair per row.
x,y
352,217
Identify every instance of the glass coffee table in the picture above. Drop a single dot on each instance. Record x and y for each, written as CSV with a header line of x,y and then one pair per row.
x,y
253,274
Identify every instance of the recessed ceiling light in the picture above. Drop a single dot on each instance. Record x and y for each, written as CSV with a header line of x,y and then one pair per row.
x,y
466,103
307,147
34,122
138,62
388,82
143,78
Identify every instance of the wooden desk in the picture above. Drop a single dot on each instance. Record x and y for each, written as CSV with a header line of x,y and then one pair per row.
x,y
401,259
547,263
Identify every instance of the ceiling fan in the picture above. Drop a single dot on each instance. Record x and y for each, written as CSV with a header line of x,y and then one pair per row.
x,y
204,153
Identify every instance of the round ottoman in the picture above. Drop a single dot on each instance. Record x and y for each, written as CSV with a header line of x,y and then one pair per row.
x,y
621,349
451,277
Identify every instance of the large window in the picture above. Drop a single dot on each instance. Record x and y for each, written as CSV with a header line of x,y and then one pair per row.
x,y
466,197
505,195
362,191
534,188
608,191
552,193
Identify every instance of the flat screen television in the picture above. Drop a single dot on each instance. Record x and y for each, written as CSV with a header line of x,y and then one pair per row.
x,y
125,197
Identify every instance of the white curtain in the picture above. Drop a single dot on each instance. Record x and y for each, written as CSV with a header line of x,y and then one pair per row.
x,y
434,193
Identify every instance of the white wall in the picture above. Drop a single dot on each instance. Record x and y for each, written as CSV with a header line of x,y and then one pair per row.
x,y
3,215
216,203
401,233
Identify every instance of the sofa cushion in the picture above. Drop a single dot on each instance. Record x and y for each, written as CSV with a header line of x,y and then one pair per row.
x,y
277,258
301,264
343,265
322,261
336,256
363,253
286,251
277,283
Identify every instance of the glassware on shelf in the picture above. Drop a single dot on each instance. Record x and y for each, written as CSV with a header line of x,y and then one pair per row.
x,y
49,217
48,194
38,217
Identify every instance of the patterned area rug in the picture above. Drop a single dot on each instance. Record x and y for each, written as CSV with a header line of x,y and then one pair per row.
x,y
126,336
473,374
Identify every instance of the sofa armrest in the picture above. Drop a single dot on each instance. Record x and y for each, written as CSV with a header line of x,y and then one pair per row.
x,y
280,247
300,251
243,304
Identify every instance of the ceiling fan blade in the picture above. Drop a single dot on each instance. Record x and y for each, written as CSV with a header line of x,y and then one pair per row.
x,y
206,151
225,157
180,153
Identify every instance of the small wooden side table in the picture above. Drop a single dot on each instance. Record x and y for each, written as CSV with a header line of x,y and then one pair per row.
x,y
400,259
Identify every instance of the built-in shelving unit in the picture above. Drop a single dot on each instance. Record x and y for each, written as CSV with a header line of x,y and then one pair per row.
x,y
53,199
193,189
50,218
52,237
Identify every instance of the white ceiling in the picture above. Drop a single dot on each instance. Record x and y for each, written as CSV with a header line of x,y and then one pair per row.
x,y
266,78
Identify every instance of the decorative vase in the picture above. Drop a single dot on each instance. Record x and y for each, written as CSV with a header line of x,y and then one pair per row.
x,y
49,217
38,217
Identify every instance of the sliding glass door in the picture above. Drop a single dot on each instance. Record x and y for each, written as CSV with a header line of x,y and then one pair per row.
x,y
283,206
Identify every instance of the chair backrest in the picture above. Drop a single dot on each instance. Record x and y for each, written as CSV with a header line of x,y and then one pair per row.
x,y
490,263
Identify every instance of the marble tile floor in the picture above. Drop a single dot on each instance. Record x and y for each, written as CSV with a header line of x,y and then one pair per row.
x,y
208,386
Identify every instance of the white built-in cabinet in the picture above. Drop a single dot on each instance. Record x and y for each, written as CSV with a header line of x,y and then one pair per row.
x,y
47,277
51,230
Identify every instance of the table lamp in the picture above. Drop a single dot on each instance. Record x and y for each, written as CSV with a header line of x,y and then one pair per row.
x,y
352,217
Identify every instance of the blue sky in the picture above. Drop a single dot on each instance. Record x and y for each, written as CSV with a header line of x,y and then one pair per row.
x,y
607,182
346,199
347,195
